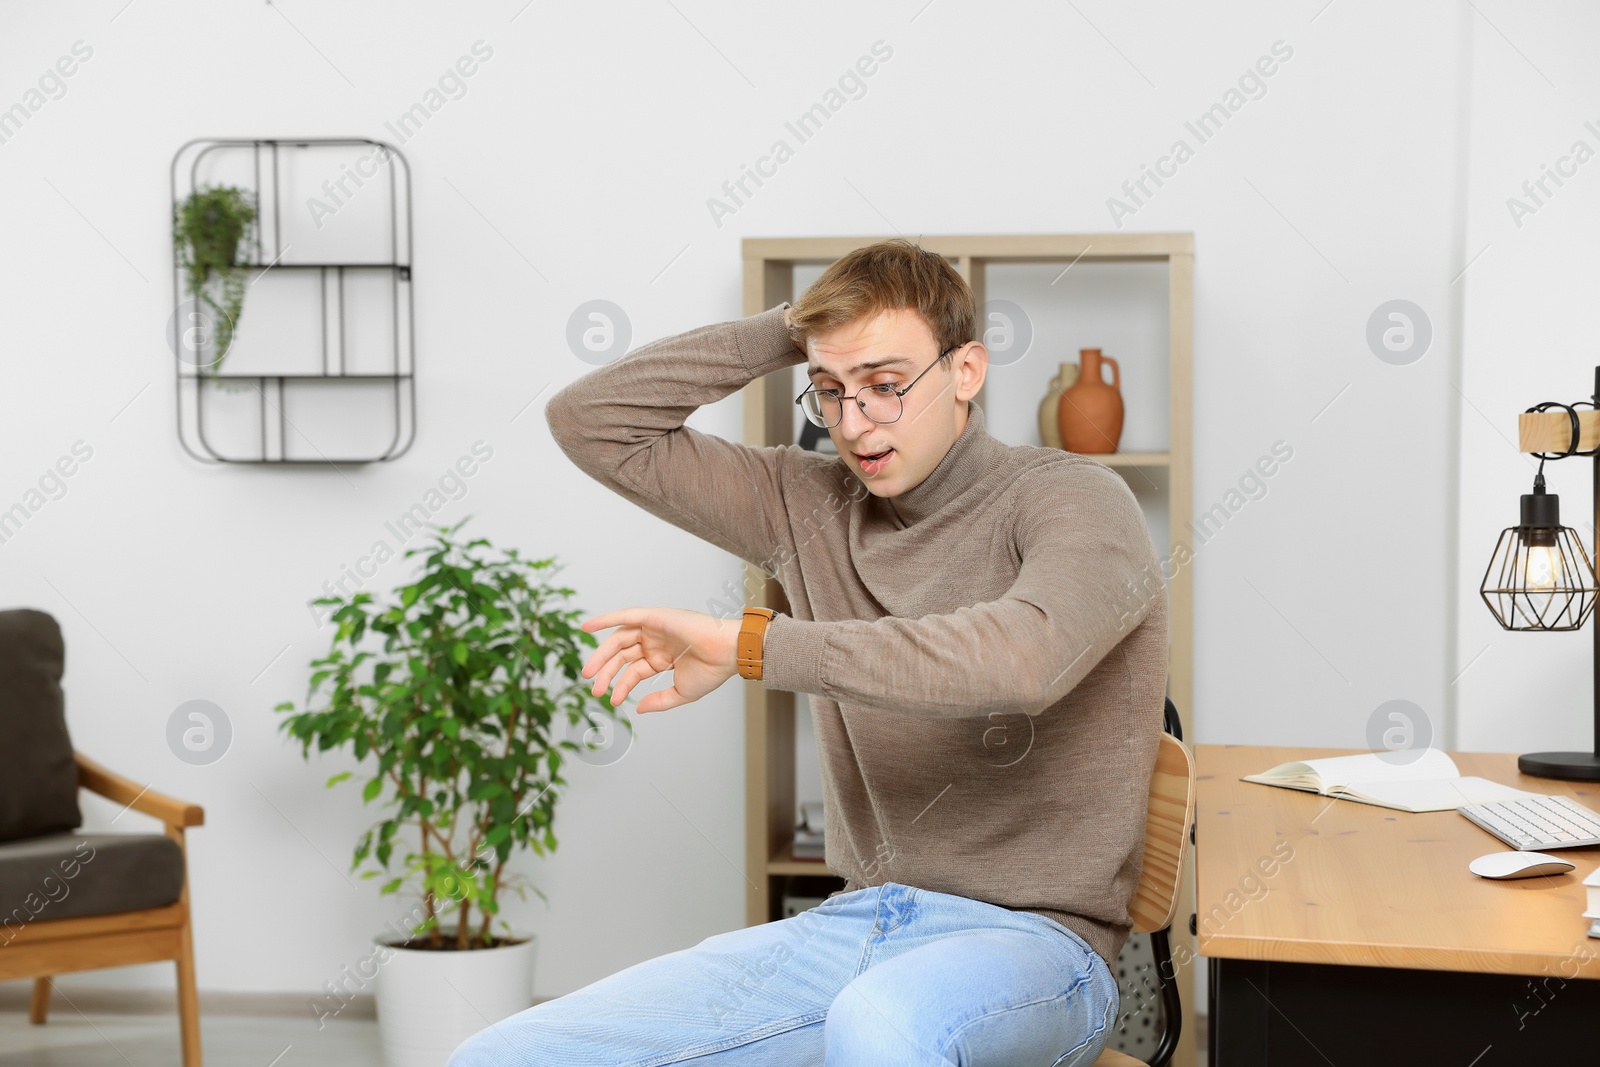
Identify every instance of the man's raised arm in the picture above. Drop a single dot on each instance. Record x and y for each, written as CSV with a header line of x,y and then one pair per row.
x,y
623,424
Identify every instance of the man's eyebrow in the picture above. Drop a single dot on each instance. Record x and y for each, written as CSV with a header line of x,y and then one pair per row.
x,y
872,364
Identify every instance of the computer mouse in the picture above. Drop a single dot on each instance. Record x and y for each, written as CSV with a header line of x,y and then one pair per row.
x,y
1518,865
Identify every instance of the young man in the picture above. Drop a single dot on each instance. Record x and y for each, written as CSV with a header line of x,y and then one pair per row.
x,y
986,692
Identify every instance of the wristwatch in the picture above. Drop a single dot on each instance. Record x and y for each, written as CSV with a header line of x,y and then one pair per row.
x,y
752,641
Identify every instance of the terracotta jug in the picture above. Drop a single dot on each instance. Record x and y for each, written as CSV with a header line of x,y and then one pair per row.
x,y
1050,406
1091,411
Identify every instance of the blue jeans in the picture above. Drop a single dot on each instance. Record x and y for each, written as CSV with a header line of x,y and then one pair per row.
x,y
885,976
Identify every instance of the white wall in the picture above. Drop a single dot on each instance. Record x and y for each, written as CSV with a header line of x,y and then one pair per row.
x,y
1528,339
578,166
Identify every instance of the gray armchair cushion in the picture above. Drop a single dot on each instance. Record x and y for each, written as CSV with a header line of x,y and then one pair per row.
x,y
38,778
67,876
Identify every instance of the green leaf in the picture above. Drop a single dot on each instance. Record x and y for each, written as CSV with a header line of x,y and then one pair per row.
x,y
336,779
373,788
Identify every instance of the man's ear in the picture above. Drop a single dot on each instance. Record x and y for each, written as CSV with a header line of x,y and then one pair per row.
x,y
971,371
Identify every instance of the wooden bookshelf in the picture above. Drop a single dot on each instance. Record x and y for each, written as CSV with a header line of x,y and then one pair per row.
x,y
769,278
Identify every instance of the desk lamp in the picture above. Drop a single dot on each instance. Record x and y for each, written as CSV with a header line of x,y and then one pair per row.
x,y
1540,577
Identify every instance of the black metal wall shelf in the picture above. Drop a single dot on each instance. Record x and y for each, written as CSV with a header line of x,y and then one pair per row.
x,y
345,362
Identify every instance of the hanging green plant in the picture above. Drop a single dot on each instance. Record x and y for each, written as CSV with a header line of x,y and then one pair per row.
x,y
208,230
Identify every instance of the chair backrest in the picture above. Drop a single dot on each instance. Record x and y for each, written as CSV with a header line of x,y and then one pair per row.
x,y
38,772
1166,837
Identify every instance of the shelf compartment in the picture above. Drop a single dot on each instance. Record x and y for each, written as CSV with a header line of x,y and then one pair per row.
x,y
300,419
780,862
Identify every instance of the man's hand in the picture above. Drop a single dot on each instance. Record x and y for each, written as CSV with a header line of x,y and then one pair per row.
x,y
798,342
700,650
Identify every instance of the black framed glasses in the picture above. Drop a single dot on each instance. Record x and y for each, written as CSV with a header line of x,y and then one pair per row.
x,y
880,403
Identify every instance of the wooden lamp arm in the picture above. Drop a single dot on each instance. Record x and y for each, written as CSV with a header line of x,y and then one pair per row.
x,y
97,779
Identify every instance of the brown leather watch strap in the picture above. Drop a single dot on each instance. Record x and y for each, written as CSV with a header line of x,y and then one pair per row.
x,y
752,641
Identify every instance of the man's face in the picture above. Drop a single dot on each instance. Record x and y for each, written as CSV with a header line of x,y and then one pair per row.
x,y
893,347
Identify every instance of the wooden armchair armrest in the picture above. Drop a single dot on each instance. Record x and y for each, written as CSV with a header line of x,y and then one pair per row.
x,y
97,779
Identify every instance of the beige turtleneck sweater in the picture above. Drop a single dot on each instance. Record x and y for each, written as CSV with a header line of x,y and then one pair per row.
x,y
986,687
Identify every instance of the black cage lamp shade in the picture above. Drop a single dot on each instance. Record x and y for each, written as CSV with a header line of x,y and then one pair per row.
x,y
1540,577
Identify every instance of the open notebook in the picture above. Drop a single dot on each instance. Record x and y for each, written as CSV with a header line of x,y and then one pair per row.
x,y
1430,782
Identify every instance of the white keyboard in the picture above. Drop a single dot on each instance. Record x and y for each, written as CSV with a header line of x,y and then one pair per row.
x,y
1537,824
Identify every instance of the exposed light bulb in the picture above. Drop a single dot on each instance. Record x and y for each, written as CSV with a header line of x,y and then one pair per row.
x,y
1539,567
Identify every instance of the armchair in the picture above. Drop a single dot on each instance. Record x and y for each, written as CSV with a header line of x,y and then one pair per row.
x,y
72,900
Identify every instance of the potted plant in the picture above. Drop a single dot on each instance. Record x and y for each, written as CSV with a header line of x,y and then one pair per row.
x,y
207,231
460,692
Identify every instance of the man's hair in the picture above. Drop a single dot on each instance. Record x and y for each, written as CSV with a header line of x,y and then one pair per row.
x,y
888,276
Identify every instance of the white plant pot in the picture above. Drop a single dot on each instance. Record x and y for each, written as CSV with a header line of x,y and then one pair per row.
x,y
431,1001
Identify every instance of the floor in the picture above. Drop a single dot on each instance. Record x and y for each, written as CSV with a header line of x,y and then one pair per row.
x,y
129,1040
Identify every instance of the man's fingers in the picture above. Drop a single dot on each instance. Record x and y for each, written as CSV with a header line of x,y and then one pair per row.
x,y
627,635
620,617
613,667
628,679
606,676
661,700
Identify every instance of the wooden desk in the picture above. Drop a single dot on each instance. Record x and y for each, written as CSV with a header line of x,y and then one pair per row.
x,y
1316,916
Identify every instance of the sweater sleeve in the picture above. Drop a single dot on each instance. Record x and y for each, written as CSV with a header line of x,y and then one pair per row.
x,y
623,424
1088,576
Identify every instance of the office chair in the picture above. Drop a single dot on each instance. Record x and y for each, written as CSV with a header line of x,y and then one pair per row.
x,y
1167,830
